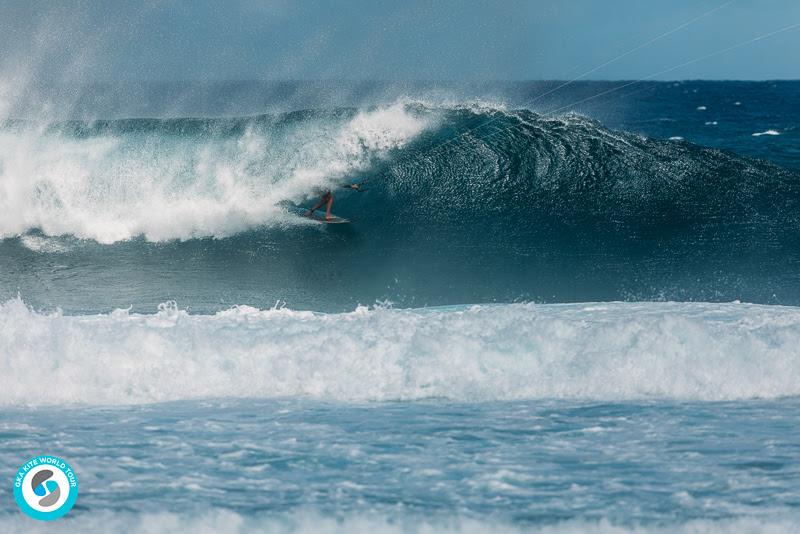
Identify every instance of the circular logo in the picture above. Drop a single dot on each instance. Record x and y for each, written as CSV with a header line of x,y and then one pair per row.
x,y
45,487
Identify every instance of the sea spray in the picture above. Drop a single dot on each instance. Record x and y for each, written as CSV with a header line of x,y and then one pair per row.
x,y
173,179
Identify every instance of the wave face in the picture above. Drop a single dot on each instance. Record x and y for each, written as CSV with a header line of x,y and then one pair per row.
x,y
613,351
186,178
464,204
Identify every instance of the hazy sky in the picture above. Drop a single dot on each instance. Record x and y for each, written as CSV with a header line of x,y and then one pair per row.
x,y
407,40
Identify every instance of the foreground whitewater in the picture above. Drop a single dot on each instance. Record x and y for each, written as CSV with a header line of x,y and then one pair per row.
x,y
603,351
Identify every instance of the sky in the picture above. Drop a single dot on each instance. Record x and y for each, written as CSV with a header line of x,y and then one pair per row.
x,y
458,40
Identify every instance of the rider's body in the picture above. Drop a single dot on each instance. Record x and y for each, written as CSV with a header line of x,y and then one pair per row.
x,y
327,200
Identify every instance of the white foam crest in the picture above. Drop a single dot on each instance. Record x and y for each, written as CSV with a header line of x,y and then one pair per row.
x,y
766,132
46,245
119,186
611,351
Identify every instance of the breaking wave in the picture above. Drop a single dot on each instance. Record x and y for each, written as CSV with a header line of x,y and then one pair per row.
x,y
515,172
462,203
613,351
183,178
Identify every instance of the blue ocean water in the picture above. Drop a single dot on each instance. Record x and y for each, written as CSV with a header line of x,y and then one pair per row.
x,y
568,313
465,201
292,464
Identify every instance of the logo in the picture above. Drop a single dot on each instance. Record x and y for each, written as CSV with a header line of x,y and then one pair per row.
x,y
45,487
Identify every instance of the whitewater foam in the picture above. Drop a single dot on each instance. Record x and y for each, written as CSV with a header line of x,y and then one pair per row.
x,y
229,522
46,245
502,352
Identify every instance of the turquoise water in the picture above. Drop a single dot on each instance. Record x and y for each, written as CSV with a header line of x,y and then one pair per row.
x,y
302,465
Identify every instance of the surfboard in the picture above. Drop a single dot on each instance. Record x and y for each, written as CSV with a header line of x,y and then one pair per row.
x,y
317,216
321,218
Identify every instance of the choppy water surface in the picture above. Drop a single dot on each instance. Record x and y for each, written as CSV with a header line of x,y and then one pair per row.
x,y
297,465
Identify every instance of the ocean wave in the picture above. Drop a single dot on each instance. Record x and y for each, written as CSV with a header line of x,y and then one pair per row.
x,y
512,172
185,178
612,351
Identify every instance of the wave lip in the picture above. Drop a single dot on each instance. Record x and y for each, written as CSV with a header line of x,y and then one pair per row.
x,y
609,351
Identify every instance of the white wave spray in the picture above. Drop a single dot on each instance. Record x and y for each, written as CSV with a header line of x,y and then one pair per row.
x,y
116,186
